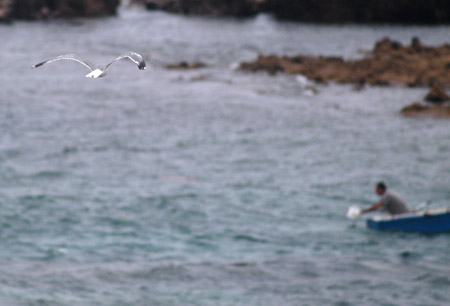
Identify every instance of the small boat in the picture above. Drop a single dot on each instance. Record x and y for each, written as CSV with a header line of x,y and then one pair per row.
x,y
425,221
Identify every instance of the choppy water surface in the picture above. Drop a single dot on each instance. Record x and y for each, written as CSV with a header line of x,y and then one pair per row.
x,y
213,186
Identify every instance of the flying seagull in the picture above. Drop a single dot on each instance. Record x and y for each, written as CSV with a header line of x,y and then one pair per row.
x,y
97,71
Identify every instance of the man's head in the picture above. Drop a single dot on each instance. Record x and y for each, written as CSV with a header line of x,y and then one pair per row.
x,y
380,189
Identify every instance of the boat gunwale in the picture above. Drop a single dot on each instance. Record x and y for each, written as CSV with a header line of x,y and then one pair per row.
x,y
412,215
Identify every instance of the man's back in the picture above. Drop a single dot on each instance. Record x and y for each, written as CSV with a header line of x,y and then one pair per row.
x,y
393,203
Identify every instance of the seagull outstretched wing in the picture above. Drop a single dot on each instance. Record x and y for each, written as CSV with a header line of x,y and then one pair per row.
x,y
72,57
133,56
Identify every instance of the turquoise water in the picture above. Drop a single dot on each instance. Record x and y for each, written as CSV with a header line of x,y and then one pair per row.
x,y
212,186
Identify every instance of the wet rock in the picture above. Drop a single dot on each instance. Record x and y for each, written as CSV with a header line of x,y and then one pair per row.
x,y
186,65
389,63
420,110
207,7
370,11
272,64
386,46
42,9
165,5
5,10
414,107
437,94
335,11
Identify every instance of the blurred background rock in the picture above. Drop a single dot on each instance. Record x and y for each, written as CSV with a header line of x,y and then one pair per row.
x,y
334,11
42,9
360,11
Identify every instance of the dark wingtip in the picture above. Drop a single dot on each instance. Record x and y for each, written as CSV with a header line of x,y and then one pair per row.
x,y
141,66
38,65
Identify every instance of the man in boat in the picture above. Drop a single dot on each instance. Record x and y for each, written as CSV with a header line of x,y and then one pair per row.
x,y
389,201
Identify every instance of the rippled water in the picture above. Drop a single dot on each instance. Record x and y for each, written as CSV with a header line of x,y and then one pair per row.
x,y
213,186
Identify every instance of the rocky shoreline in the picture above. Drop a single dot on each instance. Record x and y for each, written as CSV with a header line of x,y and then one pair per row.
x,y
44,9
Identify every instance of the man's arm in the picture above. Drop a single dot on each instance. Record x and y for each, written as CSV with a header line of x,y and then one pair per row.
x,y
372,208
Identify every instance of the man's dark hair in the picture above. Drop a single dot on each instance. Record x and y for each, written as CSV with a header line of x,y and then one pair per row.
x,y
381,185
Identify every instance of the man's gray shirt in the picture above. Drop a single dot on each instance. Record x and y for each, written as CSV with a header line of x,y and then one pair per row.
x,y
393,204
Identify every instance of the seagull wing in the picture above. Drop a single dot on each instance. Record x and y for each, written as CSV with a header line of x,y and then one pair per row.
x,y
133,56
72,57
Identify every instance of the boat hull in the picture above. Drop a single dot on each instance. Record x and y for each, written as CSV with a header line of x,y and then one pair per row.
x,y
430,221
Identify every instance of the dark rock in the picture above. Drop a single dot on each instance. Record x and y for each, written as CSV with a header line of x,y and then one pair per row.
x,y
334,11
386,45
42,9
419,110
437,94
207,7
371,11
415,107
186,65
272,64
5,10
165,5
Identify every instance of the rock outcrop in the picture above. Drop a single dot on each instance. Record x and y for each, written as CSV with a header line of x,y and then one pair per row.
x,y
186,65
335,11
437,106
389,63
420,110
42,9
207,7
357,11
437,94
